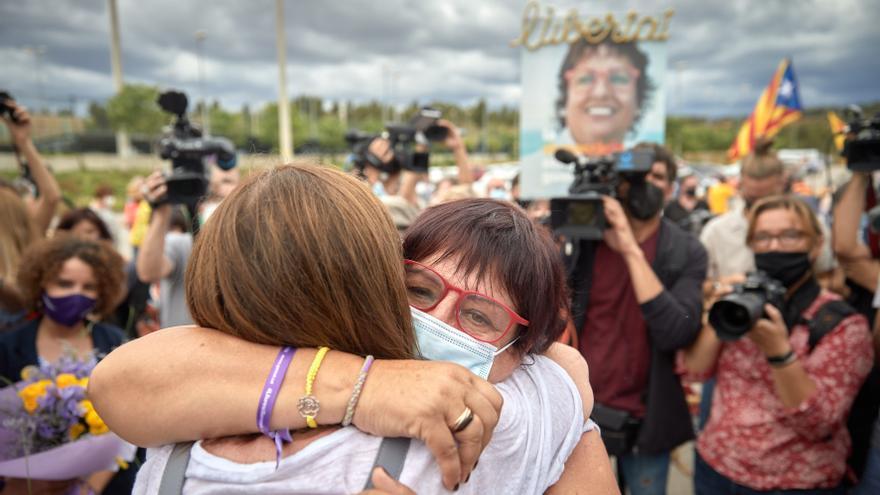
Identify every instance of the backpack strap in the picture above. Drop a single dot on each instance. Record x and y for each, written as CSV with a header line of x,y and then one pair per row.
x,y
826,319
391,456
175,470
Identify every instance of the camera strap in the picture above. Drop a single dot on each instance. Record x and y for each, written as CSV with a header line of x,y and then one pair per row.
x,y
826,319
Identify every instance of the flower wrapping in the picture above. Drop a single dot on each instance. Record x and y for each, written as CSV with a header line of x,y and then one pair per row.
x,y
50,431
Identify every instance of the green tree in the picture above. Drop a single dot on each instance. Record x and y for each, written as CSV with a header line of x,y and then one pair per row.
x,y
134,109
97,117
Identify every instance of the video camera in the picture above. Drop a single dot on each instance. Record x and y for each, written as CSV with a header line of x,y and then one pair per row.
x,y
5,109
862,146
402,138
735,314
580,215
185,146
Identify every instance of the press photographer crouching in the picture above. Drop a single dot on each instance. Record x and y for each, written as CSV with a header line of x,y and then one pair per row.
x,y
786,383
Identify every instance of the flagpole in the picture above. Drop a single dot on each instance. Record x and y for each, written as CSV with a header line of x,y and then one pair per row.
x,y
285,134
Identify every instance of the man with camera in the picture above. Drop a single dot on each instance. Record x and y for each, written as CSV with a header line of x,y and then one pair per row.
x,y
636,301
164,253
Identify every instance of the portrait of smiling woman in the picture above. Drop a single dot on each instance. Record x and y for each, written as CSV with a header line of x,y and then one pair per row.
x,y
602,91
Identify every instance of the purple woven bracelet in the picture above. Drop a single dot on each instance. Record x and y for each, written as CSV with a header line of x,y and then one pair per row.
x,y
267,400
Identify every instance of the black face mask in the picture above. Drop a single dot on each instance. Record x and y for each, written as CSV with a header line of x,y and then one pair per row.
x,y
788,268
644,200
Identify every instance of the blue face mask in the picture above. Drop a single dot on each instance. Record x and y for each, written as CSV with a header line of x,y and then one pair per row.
x,y
438,341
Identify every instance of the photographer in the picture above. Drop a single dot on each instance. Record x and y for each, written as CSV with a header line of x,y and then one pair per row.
x,y
164,253
782,394
861,268
18,121
636,301
687,210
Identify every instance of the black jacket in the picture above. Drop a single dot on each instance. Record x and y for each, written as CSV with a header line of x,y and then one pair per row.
x,y
18,348
673,319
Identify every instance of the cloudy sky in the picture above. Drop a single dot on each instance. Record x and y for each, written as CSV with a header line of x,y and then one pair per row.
x,y
721,53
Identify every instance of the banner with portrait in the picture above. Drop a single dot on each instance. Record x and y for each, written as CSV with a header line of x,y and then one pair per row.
x,y
593,85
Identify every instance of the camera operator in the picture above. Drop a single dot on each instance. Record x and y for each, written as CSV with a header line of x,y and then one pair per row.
x,y
861,268
18,121
782,394
164,254
636,301
687,210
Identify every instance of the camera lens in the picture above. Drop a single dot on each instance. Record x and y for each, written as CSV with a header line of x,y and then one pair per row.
x,y
734,315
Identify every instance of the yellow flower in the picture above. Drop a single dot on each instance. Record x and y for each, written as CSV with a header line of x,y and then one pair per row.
x,y
96,424
66,380
121,462
28,372
86,406
76,430
31,393
84,382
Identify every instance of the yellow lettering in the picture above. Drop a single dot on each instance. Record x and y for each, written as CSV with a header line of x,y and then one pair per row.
x,y
667,19
531,14
647,21
630,28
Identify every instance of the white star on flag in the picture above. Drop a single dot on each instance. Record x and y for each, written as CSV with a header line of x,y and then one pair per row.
x,y
786,89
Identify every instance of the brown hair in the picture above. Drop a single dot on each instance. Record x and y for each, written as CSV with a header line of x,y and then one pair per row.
x,y
762,162
73,217
17,233
42,263
661,154
797,206
496,241
305,256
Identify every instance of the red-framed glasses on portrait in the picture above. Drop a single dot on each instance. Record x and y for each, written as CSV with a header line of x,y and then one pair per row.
x,y
480,316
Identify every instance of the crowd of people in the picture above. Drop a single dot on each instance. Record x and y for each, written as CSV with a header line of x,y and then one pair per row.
x,y
423,339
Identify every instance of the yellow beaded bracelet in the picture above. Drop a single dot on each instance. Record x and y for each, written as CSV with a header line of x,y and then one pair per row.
x,y
308,404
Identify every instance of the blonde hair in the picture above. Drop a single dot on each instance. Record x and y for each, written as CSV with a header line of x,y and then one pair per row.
x,y
796,206
18,232
762,162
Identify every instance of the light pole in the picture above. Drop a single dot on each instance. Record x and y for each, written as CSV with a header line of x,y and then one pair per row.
x,y
123,145
200,47
285,135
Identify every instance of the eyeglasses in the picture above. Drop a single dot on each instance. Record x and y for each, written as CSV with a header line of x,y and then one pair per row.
x,y
476,314
787,239
617,78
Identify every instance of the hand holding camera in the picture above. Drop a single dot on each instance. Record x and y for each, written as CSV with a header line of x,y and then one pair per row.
x,y
16,117
619,235
155,189
770,334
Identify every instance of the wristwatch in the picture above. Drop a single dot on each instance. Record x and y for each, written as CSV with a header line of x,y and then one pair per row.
x,y
782,360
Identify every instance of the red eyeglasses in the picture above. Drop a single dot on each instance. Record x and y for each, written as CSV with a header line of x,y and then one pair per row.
x,y
478,315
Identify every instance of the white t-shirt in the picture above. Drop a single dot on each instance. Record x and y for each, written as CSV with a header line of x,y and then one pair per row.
x,y
540,425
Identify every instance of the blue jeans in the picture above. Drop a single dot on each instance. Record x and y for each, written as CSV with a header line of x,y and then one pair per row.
x,y
706,402
870,483
644,474
707,481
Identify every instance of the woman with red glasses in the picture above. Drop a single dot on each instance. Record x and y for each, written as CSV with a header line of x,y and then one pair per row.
x,y
486,290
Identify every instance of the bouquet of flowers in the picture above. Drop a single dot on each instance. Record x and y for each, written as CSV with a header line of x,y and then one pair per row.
x,y
50,431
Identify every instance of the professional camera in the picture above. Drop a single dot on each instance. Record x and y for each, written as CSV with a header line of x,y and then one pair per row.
x,y
735,314
580,215
862,145
5,109
187,149
402,138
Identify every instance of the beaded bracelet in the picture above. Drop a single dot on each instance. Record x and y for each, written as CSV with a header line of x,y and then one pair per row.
x,y
309,405
356,391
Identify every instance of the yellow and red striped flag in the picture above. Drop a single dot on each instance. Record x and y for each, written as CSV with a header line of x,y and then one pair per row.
x,y
779,105
838,130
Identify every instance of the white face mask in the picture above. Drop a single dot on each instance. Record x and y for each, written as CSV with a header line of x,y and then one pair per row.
x,y
438,341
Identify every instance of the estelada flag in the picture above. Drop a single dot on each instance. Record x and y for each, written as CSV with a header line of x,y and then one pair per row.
x,y
838,130
779,105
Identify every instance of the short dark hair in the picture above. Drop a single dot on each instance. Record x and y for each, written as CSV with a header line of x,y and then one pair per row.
x,y
661,154
74,217
496,241
42,263
630,50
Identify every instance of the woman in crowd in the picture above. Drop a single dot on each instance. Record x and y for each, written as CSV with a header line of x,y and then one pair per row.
x,y
85,224
504,308
67,281
18,232
783,392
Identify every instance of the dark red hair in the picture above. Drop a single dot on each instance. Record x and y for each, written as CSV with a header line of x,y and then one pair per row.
x,y
497,242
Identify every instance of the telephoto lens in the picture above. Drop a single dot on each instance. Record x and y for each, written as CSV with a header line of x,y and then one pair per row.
x,y
735,314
